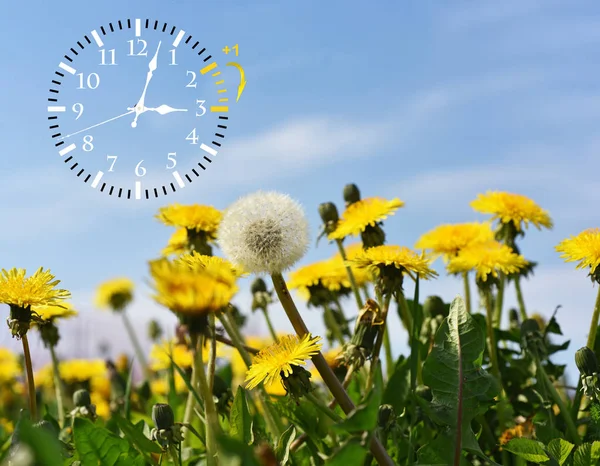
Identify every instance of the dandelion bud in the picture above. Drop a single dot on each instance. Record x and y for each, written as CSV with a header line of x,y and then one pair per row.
x,y
49,334
155,331
258,286
163,416
424,392
81,398
586,361
329,214
351,194
386,417
529,326
532,339
264,233
434,306
297,384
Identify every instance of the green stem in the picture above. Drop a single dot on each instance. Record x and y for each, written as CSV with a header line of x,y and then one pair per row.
x,y
520,299
190,403
333,324
385,306
270,324
495,369
387,348
323,408
404,313
571,429
467,291
499,301
329,378
212,353
139,353
271,417
355,290
58,388
30,381
591,342
212,421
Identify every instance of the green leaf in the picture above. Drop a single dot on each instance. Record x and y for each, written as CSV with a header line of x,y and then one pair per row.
x,y
282,449
530,450
44,446
435,452
350,453
135,436
235,453
240,418
461,389
97,446
560,449
587,454
398,386
364,417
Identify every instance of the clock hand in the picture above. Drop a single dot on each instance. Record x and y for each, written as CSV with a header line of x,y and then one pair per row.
x,y
164,109
96,125
152,66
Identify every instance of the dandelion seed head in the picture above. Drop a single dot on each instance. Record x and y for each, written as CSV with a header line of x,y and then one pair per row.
x,y
264,232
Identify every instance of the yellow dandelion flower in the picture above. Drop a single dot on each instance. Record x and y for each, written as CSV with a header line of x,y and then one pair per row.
x,y
178,243
277,360
50,312
82,370
181,354
10,368
487,258
583,248
102,405
6,426
447,240
364,213
525,429
331,356
192,217
44,377
114,294
36,290
396,257
213,264
187,291
515,208
330,274
101,385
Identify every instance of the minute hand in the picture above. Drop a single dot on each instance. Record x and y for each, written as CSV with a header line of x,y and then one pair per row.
x,y
139,108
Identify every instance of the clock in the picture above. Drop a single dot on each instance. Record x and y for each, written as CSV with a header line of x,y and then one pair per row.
x,y
138,109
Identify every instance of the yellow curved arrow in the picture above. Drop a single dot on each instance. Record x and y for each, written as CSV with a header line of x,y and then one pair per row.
x,y
242,78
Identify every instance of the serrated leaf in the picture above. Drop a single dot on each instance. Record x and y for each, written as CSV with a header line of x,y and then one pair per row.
x,y
240,418
350,453
44,446
282,449
97,446
587,454
530,450
461,389
560,449
398,386
135,436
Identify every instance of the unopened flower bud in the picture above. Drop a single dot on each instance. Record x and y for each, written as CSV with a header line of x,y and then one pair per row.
x,y
351,194
155,331
434,306
258,286
81,398
386,417
49,334
330,216
163,417
297,384
424,392
586,361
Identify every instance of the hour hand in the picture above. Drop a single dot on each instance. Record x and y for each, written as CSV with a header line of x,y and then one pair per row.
x,y
164,109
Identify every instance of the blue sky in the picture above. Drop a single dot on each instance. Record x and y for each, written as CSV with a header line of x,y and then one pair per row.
x,y
426,101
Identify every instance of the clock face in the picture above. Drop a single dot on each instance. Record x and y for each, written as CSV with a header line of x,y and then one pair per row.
x,y
138,109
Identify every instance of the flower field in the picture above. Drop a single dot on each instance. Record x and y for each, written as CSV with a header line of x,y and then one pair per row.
x,y
469,390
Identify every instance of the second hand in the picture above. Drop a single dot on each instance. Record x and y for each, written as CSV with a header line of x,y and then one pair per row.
x,y
98,124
